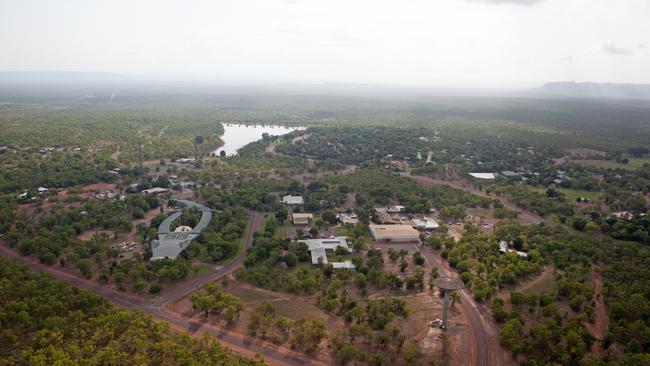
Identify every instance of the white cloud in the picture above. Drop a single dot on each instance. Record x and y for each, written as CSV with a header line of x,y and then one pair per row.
x,y
613,49
414,42
515,2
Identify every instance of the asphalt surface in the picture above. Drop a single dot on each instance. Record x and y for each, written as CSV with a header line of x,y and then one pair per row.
x,y
482,355
158,307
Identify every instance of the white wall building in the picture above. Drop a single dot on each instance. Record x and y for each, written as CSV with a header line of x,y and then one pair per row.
x,y
293,200
317,247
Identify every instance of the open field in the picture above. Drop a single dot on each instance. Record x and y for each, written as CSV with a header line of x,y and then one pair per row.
x,y
572,194
634,163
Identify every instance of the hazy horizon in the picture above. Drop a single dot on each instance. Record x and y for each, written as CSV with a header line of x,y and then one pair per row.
x,y
493,44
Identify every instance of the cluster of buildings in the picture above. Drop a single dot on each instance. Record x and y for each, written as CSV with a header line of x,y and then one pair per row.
x,y
347,218
109,194
40,190
395,216
395,227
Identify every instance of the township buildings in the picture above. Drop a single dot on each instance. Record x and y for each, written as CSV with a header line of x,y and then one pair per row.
x,y
301,218
317,247
394,233
171,243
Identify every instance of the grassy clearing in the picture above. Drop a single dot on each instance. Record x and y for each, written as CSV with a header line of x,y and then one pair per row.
x,y
199,270
572,194
297,309
247,294
342,231
634,163
281,230
285,305
542,284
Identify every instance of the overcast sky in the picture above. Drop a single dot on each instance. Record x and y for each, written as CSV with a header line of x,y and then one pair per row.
x,y
430,43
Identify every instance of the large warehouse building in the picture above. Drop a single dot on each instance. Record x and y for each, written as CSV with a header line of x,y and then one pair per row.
x,y
394,233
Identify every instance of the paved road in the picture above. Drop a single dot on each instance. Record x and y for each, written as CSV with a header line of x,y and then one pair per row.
x,y
157,307
488,350
482,355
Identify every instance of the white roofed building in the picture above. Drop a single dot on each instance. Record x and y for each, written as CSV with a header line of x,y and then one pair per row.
x,y
426,223
317,248
483,175
293,200
503,248
394,233
154,190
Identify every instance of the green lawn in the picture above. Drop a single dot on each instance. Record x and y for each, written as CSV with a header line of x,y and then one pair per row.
x,y
612,164
198,270
544,283
281,230
341,231
572,194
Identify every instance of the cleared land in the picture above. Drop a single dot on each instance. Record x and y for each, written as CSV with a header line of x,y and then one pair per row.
x,y
572,194
634,163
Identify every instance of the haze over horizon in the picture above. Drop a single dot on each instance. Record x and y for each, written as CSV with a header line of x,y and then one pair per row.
x,y
452,43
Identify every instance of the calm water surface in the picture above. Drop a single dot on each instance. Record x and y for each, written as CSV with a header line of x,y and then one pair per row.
x,y
236,136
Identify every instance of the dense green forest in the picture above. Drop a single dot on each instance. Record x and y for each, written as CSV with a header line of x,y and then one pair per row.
x,y
48,322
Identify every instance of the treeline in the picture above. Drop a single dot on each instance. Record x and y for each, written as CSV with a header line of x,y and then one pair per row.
x,y
58,170
359,145
114,128
223,237
302,335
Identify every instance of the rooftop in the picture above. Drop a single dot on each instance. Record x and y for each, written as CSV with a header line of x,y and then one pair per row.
x,y
483,175
317,247
394,231
154,190
293,200
509,173
503,248
426,223
171,244
302,216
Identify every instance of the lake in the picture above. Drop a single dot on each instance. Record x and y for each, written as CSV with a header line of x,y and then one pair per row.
x,y
236,136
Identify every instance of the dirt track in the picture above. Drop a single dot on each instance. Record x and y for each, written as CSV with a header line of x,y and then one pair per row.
x,y
524,217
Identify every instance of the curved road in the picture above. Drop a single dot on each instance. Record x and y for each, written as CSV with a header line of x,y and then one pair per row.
x,y
157,307
485,330
476,322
